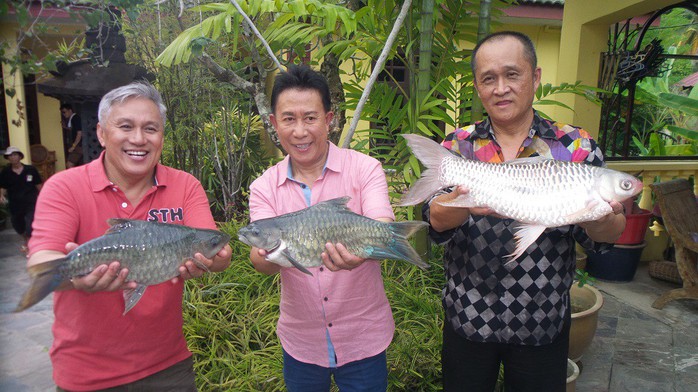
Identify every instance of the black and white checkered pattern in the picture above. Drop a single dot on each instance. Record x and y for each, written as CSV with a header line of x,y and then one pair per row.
x,y
523,302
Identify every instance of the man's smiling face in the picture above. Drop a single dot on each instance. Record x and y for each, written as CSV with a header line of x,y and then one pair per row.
x,y
133,138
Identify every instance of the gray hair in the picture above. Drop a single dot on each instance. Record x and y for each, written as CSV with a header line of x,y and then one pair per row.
x,y
134,90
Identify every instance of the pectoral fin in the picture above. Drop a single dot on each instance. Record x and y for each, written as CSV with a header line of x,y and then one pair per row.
x,y
280,255
199,264
296,263
460,201
525,236
132,296
575,216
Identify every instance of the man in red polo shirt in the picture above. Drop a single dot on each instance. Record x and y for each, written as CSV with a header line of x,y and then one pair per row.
x,y
96,347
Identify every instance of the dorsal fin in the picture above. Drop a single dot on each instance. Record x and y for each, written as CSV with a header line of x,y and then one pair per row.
x,y
527,161
338,204
119,224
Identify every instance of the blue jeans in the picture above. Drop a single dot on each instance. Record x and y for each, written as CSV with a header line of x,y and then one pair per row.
x,y
365,375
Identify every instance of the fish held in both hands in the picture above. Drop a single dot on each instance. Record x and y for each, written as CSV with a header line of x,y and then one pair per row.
x,y
537,192
298,239
151,251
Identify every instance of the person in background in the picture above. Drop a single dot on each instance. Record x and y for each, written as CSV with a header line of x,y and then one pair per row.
x,y
516,315
95,346
337,322
72,131
19,188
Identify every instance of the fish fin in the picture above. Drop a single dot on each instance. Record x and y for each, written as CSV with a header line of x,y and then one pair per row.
x,y
431,154
118,224
199,264
525,235
526,161
339,203
132,296
45,278
400,248
295,262
281,253
460,201
575,216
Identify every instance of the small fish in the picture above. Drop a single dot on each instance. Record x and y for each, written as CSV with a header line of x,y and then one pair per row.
x,y
151,251
537,192
298,239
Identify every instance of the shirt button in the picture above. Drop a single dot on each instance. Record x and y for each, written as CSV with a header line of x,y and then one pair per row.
x,y
322,269
114,189
325,298
329,325
124,204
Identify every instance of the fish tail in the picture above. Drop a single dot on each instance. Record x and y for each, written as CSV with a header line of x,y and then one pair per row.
x,y
400,248
46,277
431,154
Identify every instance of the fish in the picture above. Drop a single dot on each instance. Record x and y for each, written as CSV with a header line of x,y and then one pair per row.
x,y
298,239
151,251
536,192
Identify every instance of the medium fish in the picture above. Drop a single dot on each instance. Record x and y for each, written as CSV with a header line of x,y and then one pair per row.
x,y
298,239
151,251
537,192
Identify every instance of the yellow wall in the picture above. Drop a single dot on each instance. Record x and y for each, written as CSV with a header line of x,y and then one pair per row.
x,y
584,37
48,108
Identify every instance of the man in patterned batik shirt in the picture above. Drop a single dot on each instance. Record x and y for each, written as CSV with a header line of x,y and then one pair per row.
x,y
515,314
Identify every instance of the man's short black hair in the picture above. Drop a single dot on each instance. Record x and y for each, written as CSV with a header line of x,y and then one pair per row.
x,y
301,77
529,48
66,106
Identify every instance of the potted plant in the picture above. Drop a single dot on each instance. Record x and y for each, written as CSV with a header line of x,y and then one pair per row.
x,y
586,301
620,263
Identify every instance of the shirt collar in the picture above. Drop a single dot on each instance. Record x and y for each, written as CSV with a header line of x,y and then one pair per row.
x,y
333,163
540,127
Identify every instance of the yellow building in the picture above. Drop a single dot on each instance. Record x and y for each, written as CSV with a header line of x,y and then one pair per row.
x,y
569,43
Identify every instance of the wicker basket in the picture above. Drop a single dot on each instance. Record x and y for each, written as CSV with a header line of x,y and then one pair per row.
x,y
665,270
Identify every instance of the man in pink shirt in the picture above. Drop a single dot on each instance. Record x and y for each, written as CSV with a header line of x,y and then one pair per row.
x,y
95,346
338,321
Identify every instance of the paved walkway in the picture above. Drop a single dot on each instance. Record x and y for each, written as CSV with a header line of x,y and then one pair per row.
x,y
636,348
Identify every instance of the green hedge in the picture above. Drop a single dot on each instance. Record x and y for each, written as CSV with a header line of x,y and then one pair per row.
x,y
230,323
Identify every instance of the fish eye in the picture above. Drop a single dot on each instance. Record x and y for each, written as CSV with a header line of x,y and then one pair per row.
x,y
626,185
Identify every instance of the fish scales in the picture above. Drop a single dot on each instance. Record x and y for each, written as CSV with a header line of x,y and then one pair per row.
x,y
151,251
310,232
509,189
298,239
149,258
537,192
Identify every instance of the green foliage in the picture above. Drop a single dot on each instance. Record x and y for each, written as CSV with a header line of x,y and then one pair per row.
x,y
544,91
290,24
32,52
230,325
582,277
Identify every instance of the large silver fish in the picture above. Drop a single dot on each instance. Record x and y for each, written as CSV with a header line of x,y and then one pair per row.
x,y
151,251
537,192
298,239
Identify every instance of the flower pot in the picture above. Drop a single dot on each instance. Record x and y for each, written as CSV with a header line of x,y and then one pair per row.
x,y
617,265
586,302
635,228
572,374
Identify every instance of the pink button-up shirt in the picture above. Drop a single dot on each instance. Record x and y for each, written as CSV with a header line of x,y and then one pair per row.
x,y
350,305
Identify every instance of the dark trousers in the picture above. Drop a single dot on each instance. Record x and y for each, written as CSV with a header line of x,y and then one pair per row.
x,y
176,378
365,375
473,367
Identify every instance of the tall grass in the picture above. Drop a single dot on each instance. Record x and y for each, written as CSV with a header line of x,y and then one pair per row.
x,y
230,325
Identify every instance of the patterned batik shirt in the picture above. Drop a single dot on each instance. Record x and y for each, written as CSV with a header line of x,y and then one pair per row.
x,y
524,302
